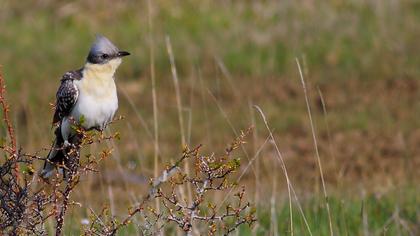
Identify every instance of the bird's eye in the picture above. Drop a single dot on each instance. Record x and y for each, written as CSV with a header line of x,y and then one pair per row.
x,y
105,56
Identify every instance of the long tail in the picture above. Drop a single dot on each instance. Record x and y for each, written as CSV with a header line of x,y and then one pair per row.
x,y
58,153
55,156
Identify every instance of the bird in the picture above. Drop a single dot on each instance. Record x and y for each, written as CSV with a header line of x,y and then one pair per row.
x,y
87,96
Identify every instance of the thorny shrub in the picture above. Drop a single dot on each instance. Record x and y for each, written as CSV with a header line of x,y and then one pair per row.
x,y
27,201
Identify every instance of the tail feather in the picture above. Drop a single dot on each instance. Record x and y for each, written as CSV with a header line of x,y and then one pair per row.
x,y
55,156
58,153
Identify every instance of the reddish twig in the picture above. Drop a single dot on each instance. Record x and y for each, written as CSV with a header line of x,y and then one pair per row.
x,y
10,131
6,109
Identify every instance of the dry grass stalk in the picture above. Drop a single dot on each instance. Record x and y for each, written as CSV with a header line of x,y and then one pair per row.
x,y
324,188
179,107
283,166
290,188
154,96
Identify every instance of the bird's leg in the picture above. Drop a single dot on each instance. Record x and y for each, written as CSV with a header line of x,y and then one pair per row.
x,y
68,144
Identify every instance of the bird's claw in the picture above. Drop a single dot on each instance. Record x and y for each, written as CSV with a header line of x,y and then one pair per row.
x,y
66,144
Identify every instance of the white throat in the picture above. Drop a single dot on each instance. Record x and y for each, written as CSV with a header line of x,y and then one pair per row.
x,y
106,70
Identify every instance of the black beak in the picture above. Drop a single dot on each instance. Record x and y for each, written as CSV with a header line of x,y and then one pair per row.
x,y
123,53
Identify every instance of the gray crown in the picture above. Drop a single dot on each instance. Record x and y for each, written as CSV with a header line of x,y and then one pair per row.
x,y
103,50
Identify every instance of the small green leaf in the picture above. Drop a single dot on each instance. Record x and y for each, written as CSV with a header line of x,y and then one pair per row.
x,y
82,119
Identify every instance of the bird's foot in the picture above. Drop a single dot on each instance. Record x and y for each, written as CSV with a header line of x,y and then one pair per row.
x,y
66,144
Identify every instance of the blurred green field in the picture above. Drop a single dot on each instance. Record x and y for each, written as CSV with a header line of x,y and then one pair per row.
x,y
363,56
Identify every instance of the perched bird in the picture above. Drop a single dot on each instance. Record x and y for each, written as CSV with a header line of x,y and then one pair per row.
x,y
87,96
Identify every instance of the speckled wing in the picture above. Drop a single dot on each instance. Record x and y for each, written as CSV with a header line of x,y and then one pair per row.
x,y
67,95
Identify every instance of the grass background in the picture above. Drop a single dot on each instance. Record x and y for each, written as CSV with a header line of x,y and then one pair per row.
x,y
362,55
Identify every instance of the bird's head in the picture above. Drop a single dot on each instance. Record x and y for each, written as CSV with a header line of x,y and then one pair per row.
x,y
103,52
